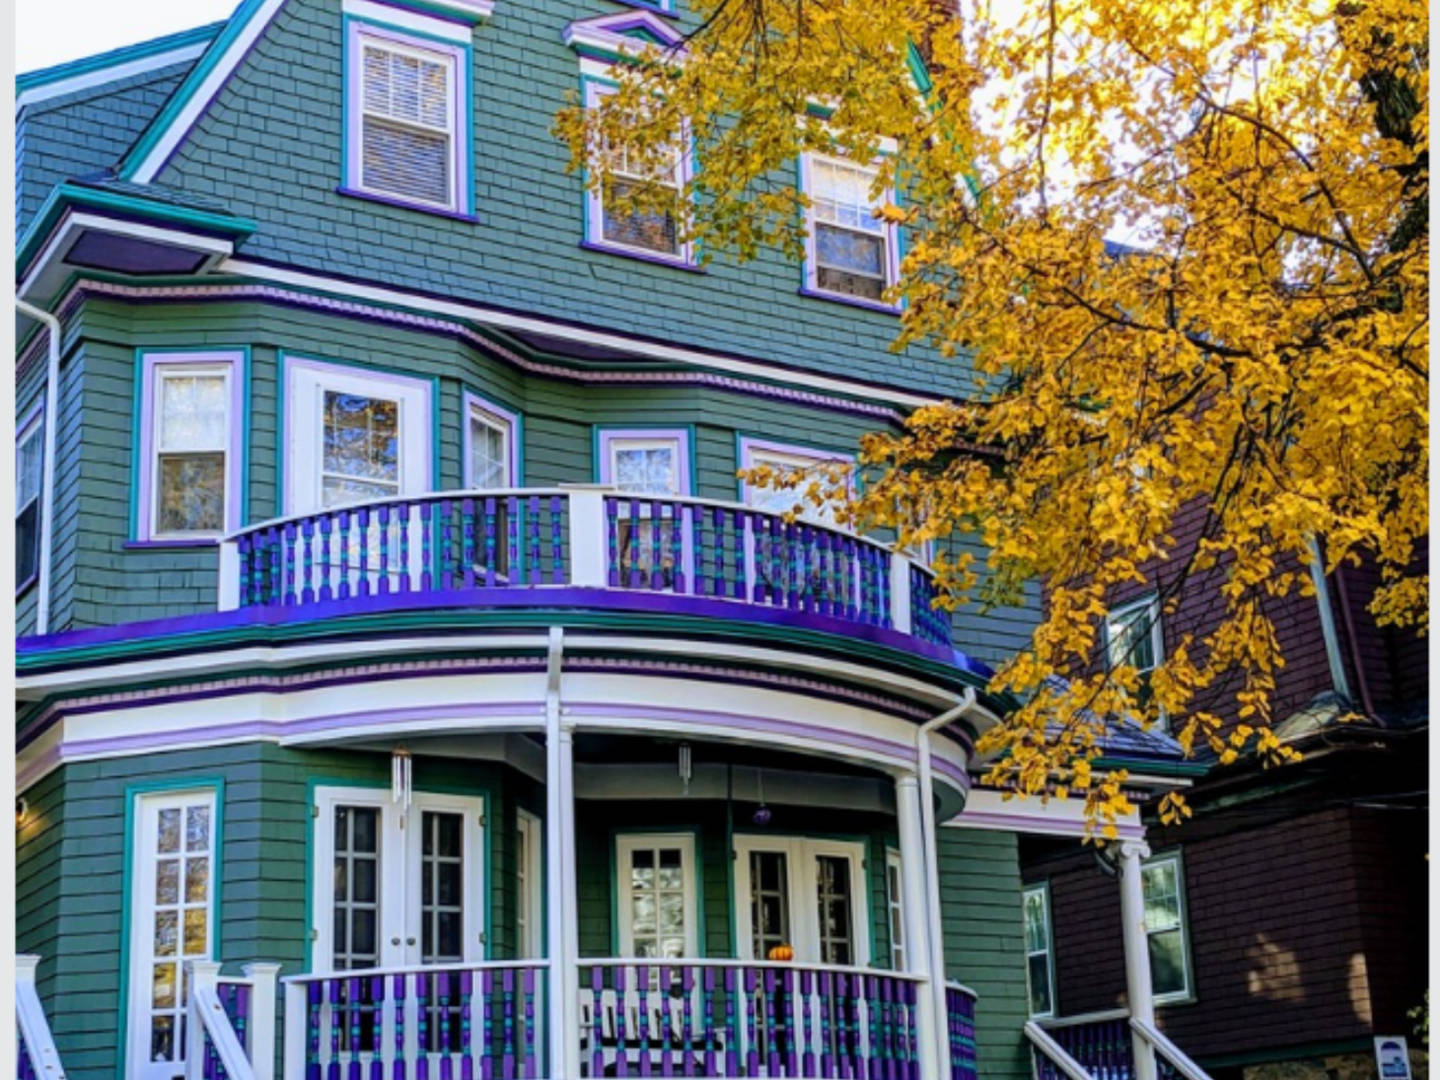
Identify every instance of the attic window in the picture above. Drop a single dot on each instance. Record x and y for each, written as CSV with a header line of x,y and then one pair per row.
x,y
407,120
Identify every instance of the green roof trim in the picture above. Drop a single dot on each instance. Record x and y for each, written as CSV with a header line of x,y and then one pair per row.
x,y
126,55
1153,766
70,195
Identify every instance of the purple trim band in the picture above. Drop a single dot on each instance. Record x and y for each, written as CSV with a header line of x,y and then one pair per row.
x,y
405,204
675,263
852,301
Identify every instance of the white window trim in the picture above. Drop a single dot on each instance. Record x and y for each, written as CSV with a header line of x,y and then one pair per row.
x,y
1115,621
812,267
142,871
399,891
1187,993
502,420
787,456
800,853
1049,952
595,202
531,896
154,369
306,381
895,905
456,58
628,843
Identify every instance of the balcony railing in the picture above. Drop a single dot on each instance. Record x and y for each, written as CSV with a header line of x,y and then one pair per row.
x,y
479,545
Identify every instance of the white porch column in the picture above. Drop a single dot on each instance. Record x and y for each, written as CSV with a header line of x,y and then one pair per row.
x,y
1137,952
916,924
561,942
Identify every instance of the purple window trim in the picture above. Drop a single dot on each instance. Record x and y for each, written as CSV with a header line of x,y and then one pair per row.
x,y
460,150
474,402
405,204
676,262
607,437
853,301
290,363
234,450
746,445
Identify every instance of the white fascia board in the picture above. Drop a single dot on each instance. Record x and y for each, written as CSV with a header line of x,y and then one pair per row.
x,y
991,811
180,126
509,321
103,76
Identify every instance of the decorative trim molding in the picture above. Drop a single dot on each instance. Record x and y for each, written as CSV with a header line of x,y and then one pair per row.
x,y
64,79
616,35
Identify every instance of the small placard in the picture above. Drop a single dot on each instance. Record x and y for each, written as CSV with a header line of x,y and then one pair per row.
x,y
1392,1056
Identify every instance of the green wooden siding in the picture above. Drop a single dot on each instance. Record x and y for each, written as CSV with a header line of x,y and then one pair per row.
x,y
984,942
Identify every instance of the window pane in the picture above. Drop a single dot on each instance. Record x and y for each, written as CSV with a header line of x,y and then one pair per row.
x,y
650,229
646,470
833,900
1039,972
362,437
1167,962
841,195
1162,896
191,490
192,412
197,881
489,454
1132,638
27,542
404,161
1036,933
29,462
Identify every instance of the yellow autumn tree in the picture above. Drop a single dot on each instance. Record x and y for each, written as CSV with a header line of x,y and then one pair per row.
x,y
1257,345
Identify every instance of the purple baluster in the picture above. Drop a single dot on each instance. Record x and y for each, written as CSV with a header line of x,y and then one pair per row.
x,y
532,553
827,1013
528,985
515,562
377,1035
752,1041
612,542
806,1030
428,581
737,533
489,542
447,545
777,563
732,1010
398,1071
717,519
289,551
622,1061
597,1021
677,560
558,575
507,996
487,1025
336,1022
642,983
422,1025
792,1052
657,528
352,1016
707,1014
687,1022
467,541
442,1042
467,1034
384,538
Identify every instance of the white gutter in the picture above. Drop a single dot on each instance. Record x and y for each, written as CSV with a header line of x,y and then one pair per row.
x,y
931,846
47,476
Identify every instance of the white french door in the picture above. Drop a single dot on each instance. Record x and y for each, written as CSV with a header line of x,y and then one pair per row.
x,y
808,894
393,889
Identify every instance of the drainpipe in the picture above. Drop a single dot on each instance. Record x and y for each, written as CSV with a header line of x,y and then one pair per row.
x,y
47,476
1327,626
935,936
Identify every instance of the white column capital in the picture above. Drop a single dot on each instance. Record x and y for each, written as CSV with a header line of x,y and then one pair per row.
x,y
1134,849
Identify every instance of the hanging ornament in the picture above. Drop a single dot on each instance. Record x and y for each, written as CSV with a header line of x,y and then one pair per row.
x,y
401,781
684,766
761,816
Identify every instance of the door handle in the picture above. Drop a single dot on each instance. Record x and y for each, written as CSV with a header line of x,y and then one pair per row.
x,y
394,941
409,941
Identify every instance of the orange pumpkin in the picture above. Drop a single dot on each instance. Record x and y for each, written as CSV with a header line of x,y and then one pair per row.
x,y
782,953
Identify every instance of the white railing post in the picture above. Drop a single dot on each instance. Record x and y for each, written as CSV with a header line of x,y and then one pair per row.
x,y
260,1033
204,975
901,616
295,1033
30,1018
588,535
1136,944
228,586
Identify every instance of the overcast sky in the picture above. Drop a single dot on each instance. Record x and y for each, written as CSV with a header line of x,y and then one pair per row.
x,y
53,31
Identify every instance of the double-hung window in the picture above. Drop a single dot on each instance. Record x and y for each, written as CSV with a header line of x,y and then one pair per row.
x,y
850,252
1134,636
407,123
1163,878
1039,951
491,456
784,460
651,230
649,465
190,445
29,474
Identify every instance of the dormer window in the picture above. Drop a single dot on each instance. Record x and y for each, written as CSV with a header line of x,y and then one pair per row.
x,y
407,118
851,254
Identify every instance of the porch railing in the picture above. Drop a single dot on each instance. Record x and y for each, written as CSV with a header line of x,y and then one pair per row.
x,y
1099,1046
732,1018
230,1023
450,543
441,1022
960,1027
35,1055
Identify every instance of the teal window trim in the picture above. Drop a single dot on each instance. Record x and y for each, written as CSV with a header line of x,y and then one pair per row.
x,y
132,796
462,154
697,833
1187,996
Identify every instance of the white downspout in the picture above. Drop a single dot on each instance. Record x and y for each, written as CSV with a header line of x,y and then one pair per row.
x,y
931,845
47,476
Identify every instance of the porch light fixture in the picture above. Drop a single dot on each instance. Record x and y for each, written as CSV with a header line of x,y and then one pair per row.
x,y
22,811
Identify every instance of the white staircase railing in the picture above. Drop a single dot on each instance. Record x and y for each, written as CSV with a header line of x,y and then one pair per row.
x,y
1056,1054
1162,1045
36,1055
221,1011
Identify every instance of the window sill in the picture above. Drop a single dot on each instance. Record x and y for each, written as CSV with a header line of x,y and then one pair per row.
x,y
673,261
405,204
853,301
1170,1003
176,542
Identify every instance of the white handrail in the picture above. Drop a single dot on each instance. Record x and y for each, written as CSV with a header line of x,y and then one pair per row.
x,y
538,962
1177,1057
1055,1052
778,965
207,1017
30,1017
1052,1023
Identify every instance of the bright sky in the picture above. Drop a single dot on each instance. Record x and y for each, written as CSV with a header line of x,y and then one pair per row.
x,y
54,31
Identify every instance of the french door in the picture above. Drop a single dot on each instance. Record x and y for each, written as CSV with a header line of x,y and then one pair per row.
x,y
393,889
807,894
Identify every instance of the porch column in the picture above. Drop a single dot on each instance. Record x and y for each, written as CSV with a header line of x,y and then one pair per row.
x,y
561,942
1137,953
917,924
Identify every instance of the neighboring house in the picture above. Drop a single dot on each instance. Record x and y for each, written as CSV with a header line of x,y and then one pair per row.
x,y
389,609
1287,920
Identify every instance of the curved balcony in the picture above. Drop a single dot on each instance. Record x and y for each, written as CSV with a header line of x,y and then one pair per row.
x,y
583,546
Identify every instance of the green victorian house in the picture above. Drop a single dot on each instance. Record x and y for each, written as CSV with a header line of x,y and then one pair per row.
x,y
407,688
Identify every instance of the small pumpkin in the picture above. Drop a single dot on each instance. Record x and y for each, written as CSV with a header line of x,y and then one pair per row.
x,y
783,953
